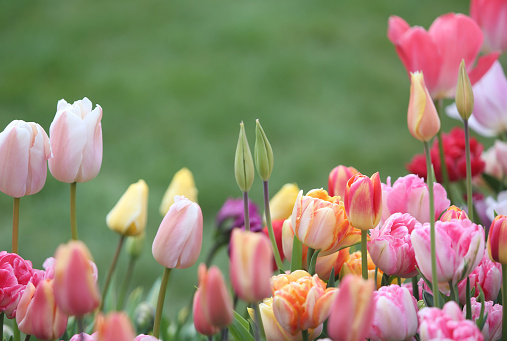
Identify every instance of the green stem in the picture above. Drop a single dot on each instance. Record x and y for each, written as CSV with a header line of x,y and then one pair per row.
x,y
415,288
246,211
504,301
278,260
441,152
434,279
313,262
2,326
15,329
73,218
304,333
15,225
399,281
468,300
469,172
110,272
126,282
364,254
160,302
80,328
27,338
257,321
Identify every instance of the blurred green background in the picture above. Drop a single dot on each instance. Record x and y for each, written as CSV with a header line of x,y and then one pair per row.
x,y
175,78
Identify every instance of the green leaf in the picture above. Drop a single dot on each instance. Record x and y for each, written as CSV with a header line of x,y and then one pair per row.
x,y
152,297
331,283
239,328
296,262
495,184
133,301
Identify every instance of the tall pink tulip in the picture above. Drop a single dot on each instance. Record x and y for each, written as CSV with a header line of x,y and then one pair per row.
x,y
76,141
115,326
250,265
24,150
363,201
338,178
490,15
179,237
438,52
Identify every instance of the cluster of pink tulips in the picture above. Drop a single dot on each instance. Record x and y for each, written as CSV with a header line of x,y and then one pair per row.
x,y
401,260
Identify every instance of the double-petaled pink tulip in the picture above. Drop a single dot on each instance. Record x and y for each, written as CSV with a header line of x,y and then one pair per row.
x,y
438,52
250,265
179,237
320,222
115,326
212,308
38,314
363,201
338,178
490,16
76,141
497,239
492,329
24,151
75,288
353,310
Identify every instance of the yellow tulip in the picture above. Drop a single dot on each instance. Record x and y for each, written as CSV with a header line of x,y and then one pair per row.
x,y
181,184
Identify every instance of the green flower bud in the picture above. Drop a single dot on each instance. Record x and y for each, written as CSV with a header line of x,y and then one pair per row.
x,y
134,245
263,153
464,93
243,163
144,317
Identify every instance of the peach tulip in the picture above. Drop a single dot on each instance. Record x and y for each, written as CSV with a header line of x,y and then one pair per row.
x,y
338,178
182,184
497,239
363,201
115,326
354,266
453,212
76,141
179,237
490,16
24,150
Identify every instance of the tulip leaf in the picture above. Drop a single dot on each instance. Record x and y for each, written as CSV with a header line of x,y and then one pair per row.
x,y
152,297
313,262
427,298
495,184
239,328
296,262
133,301
331,283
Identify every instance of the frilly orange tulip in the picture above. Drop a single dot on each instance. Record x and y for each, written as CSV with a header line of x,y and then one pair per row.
x,y
353,266
363,201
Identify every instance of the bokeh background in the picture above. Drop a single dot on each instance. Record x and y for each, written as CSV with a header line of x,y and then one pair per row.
x,y
175,78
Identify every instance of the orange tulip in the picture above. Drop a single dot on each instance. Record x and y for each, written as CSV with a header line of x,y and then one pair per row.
x,y
453,212
353,266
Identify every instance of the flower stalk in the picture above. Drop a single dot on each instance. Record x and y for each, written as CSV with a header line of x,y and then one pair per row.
x,y
276,254
160,302
504,301
246,212
73,217
15,225
470,204
110,272
364,254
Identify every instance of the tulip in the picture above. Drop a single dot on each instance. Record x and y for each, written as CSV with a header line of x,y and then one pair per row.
x,y
303,303
493,166
353,310
439,51
115,326
338,178
464,93
490,16
453,212
24,150
84,337
422,116
497,240
231,215
390,247
459,249
76,141
487,275
492,329
179,237
319,221
282,203
447,323
181,184
395,314
250,265
354,266
38,314
501,154
263,153
142,337
243,162
212,302
363,201
75,289
128,216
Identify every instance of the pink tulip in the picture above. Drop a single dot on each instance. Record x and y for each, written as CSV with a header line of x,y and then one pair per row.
x,y
75,288
459,249
86,337
76,141
363,201
487,275
142,337
24,150
438,52
409,194
501,154
497,239
395,314
179,237
353,310
492,330
115,326
390,246
38,314
447,324
338,180
250,265
490,16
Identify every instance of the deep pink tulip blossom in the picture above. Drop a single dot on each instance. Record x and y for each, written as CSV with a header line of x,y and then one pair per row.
x,y
76,141
491,16
337,181
447,324
459,249
24,151
390,246
492,330
438,52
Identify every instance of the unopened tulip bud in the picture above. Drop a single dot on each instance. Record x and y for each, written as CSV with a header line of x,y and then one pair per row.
x,y
497,240
363,201
263,153
282,203
337,181
464,93
243,162
182,184
128,217
422,117
115,326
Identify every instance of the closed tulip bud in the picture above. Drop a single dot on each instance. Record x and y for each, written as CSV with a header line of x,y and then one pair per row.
x,y
115,326
423,120
128,217
497,239
24,150
282,203
464,93
250,265
353,310
243,162
338,180
134,245
76,141
144,317
74,284
38,314
363,201
453,212
182,184
263,153
179,238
